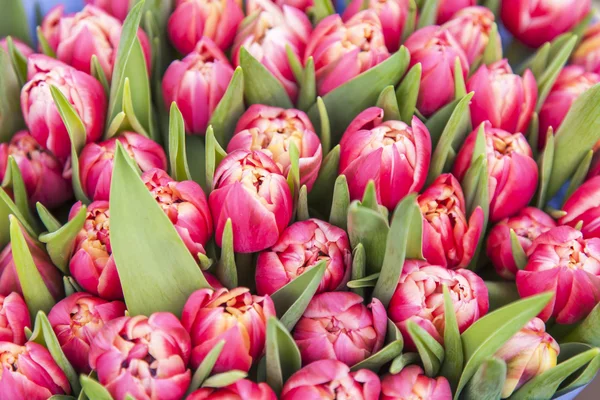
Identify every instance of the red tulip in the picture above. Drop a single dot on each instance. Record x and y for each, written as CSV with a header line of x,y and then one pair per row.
x,y
587,54
419,298
437,50
449,239
343,50
271,130
584,206
512,171
14,318
117,8
528,224
449,8
41,171
535,22
143,357
84,92
242,389
331,379
235,316
392,154
76,320
561,261
249,189
29,372
412,383
22,47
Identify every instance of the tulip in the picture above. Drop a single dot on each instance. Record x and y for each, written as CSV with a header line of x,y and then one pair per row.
x,y
117,8
392,154
235,316
300,247
272,130
338,326
343,50
331,379
23,48
193,20
587,54
29,372
419,298
302,5
584,206
562,262
535,22
185,205
529,353
76,320
449,239
92,264
197,84
437,50
250,190
97,159
447,9
41,171
512,171
143,357
528,224
14,318
242,389
84,92
412,383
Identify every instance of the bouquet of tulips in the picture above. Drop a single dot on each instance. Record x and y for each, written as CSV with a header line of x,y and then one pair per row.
x,y
385,199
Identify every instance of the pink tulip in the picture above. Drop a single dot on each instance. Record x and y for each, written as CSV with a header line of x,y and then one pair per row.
x,y
235,316
412,383
14,318
528,224
97,159
392,154
22,47
302,5
472,27
584,206
193,20
300,247
41,171
587,54
530,352
116,8
331,379
242,389
272,130
143,357
29,372
449,239
535,22
419,298
84,92
437,50
561,261
76,320
249,189
512,171
447,9
92,264
342,50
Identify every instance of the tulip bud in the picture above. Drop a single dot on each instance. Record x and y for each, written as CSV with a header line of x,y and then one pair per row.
x,y
528,224
14,318
197,84
299,248
117,8
42,173
22,47
392,154
84,92
447,9
530,352
535,22
76,320
412,383
587,54
302,5
343,50
92,264
97,159
242,389
329,379
512,171
193,20
29,372
437,50
185,205
235,316
419,298
338,326
143,357
561,261
271,130
584,206
449,239
249,189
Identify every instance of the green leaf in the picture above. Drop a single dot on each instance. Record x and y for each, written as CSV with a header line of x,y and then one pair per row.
x,y
213,156
369,199
302,213
196,154
402,361
71,286
43,43
61,397
460,88
411,20
392,349
488,381
501,293
428,13
115,126
177,154
128,109
321,195
93,389
293,177
282,355
51,223
358,267
98,73
7,208
580,174
325,132
226,270
10,100
551,72
517,251
583,378
587,330
295,63
340,203
546,167
229,109
538,62
260,86
205,367
13,21
320,10
430,351
224,379
371,229
534,134
19,63
13,179
364,282
453,359
308,87
388,102
493,50
408,93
